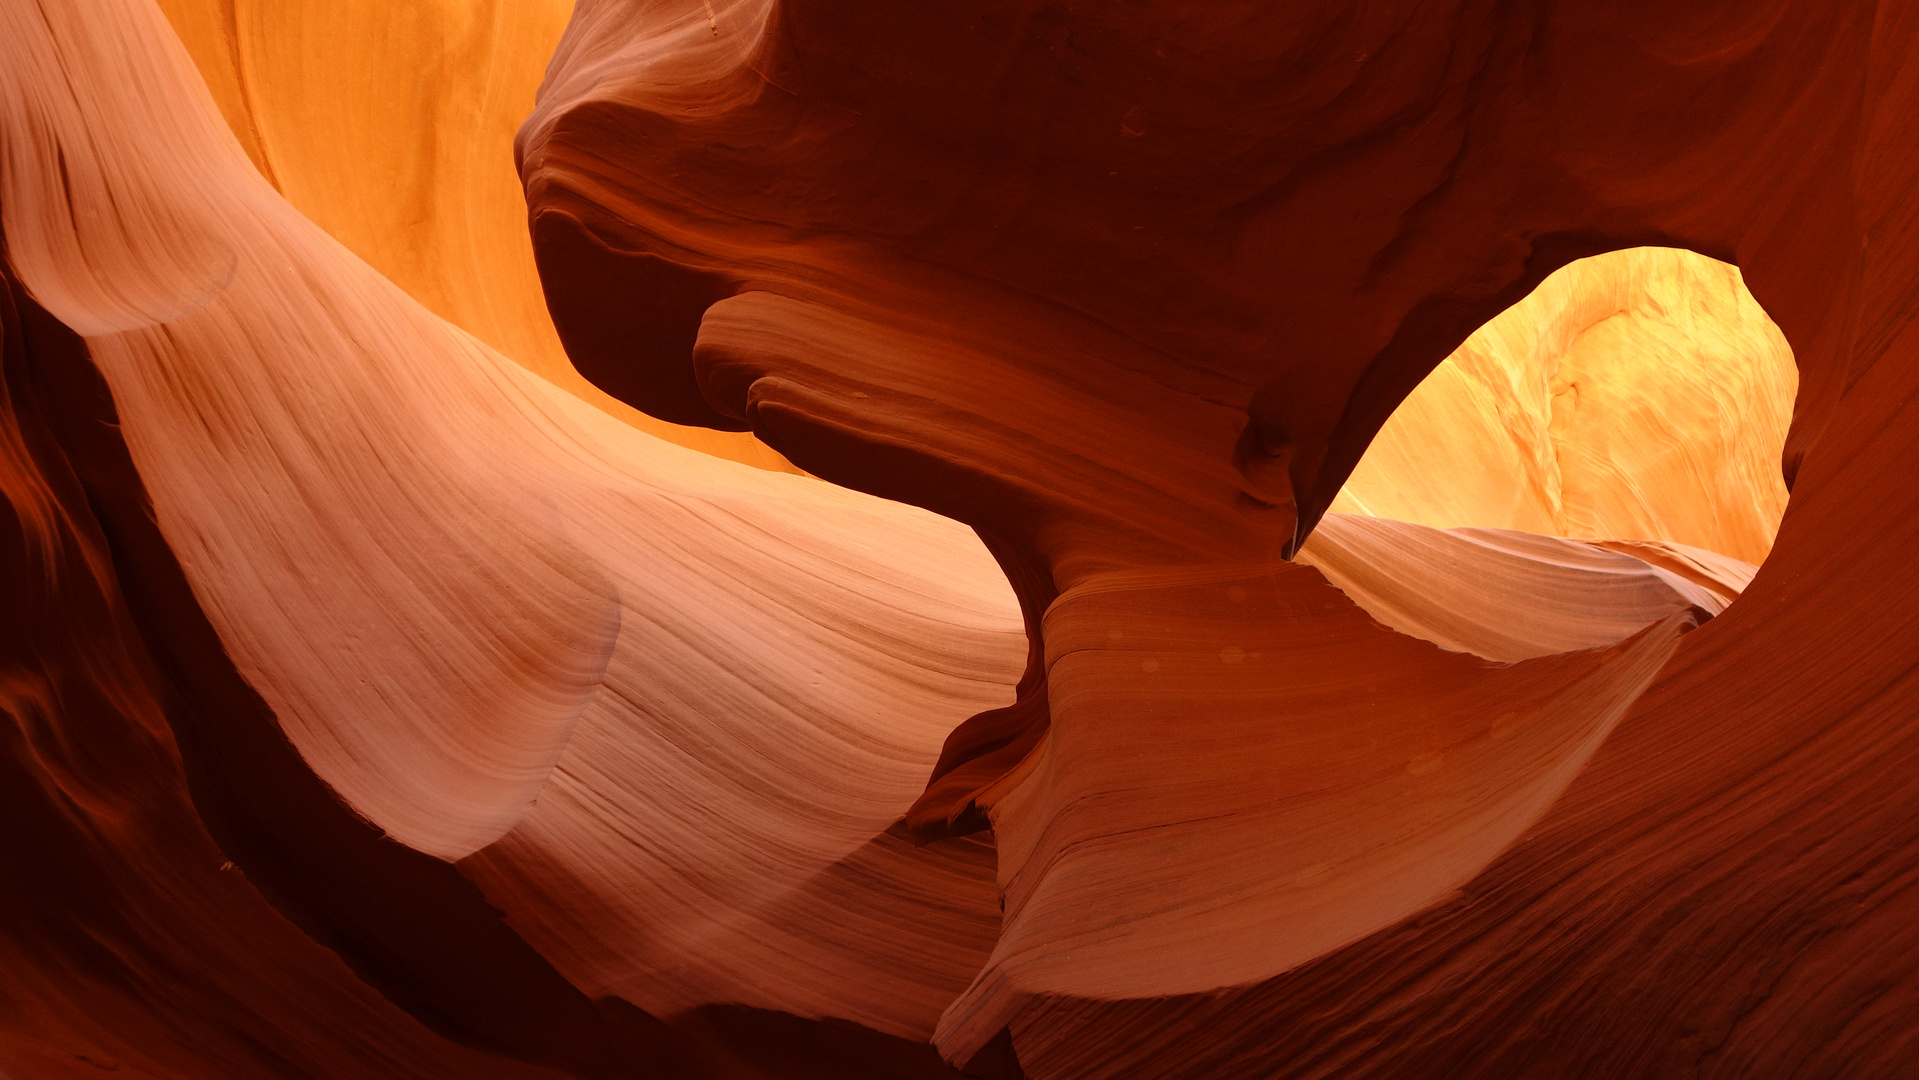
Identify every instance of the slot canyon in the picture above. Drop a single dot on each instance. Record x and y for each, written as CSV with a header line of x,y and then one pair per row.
x,y
996,539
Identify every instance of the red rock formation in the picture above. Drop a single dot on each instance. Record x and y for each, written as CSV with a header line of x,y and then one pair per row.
x,y
1129,290
363,685
614,759
132,942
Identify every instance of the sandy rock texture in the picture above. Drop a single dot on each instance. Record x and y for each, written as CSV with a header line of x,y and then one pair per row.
x,y
391,127
1641,393
1131,291
1278,590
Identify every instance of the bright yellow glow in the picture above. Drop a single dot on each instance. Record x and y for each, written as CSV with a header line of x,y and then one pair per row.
x,y
390,125
1642,394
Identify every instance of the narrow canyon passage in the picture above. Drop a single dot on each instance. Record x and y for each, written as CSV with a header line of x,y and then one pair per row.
x,y
1009,540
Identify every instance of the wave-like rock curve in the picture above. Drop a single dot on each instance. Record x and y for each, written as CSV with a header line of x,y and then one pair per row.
x,y
593,752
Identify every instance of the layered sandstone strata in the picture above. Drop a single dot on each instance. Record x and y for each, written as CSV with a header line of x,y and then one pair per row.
x,y
590,751
1131,292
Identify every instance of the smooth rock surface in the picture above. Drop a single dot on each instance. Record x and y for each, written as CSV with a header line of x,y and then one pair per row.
x,y
1113,754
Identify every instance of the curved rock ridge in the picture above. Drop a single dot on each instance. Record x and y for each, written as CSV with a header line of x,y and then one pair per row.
x,y
1289,778
132,945
131,948
1640,393
391,127
1508,595
1131,291
621,760
527,602
663,708
480,608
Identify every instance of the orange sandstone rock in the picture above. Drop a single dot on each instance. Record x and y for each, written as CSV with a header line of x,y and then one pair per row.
x,y
391,127
614,758
1131,291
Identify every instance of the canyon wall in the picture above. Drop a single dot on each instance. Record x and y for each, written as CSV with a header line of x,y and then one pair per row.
x,y
1130,291
391,127
378,707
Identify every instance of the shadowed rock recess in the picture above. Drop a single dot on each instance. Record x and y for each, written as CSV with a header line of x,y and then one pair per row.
x,y
1001,539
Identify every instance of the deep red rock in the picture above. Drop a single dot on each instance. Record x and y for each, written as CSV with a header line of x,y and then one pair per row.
x,y
1132,287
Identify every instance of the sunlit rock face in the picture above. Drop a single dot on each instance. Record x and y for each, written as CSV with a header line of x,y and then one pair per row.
x,y
391,127
1640,394
379,707
1131,293
1638,399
